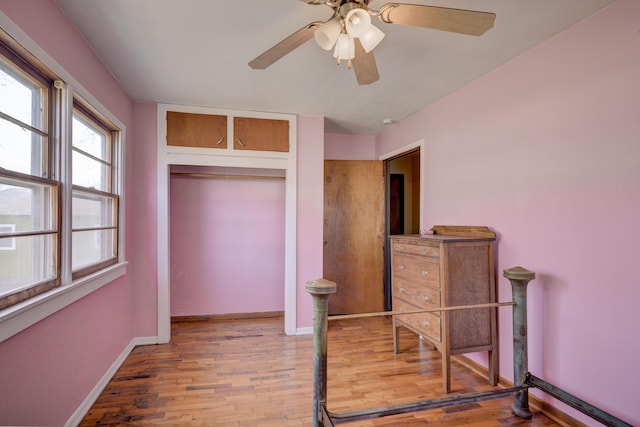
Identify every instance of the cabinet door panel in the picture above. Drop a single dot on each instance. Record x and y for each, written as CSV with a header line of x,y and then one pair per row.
x,y
196,130
260,134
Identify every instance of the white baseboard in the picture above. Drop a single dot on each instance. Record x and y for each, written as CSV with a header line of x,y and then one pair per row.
x,y
93,395
304,331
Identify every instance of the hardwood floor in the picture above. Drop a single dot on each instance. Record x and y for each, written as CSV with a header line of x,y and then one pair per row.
x,y
227,372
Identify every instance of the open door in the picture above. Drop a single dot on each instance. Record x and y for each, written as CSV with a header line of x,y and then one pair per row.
x,y
354,234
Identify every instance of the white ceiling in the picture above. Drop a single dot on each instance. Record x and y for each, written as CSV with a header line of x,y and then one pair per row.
x,y
195,52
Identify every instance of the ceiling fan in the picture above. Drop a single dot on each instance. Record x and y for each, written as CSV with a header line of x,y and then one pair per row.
x,y
351,35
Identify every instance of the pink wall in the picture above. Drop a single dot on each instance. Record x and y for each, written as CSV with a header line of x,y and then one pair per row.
x,y
545,151
48,369
143,199
349,147
310,212
227,245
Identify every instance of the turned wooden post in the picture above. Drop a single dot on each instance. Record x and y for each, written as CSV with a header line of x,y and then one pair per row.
x,y
520,278
320,290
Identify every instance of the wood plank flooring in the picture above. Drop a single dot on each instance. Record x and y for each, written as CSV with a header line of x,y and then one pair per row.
x,y
233,373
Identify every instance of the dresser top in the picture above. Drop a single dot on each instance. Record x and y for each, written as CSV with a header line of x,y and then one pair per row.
x,y
452,233
416,238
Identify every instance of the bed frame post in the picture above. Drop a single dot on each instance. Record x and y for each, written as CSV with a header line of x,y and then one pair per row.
x,y
320,290
520,278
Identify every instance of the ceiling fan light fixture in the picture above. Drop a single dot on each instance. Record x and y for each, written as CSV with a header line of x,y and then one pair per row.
x,y
371,38
328,33
345,48
357,22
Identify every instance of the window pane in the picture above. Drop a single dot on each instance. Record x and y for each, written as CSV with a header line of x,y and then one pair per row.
x,y
7,243
31,207
33,261
90,210
90,173
91,139
21,150
92,247
20,97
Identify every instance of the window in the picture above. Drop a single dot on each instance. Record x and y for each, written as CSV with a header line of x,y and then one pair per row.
x,y
95,205
29,198
47,181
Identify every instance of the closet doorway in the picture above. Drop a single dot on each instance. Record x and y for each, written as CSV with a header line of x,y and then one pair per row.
x,y
227,241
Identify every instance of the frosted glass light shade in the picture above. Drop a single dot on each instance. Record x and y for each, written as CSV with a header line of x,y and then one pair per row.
x,y
357,22
345,48
371,38
328,33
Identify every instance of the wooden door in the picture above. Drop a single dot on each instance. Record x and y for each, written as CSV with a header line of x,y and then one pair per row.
x,y
354,234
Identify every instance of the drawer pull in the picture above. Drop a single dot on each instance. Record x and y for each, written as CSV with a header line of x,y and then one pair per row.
x,y
426,298
425,272
401,289
425,324
220,142
425,252
401,267
400,248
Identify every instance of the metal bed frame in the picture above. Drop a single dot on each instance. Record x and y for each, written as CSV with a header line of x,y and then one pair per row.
x,y
321,290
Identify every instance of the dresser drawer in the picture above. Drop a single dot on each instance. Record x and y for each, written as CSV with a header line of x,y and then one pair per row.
x,y
425,324
415,269
432,251
421,296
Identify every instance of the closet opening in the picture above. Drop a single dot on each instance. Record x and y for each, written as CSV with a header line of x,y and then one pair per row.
x,y
226,242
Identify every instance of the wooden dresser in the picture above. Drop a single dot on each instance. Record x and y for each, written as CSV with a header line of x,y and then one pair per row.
x,y
452,267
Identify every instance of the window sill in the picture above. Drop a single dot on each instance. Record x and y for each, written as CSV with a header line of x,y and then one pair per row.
x,y
19,317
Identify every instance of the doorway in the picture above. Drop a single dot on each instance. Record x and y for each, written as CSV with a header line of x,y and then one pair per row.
x,y
402,201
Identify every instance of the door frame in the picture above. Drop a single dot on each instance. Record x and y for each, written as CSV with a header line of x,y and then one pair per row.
x,y
406,149
187,156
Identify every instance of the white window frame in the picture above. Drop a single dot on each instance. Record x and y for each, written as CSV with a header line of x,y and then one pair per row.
x,y
18,317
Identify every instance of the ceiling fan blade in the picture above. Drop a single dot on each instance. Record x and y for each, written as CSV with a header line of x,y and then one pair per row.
x,y
439,18
364,65
287,45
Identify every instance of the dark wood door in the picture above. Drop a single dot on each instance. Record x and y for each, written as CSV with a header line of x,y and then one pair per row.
x,y
354,234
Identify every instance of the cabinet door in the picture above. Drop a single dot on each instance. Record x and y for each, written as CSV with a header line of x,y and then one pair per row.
x,y
260,134
196,130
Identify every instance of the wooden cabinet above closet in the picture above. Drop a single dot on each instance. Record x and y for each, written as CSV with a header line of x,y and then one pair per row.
x,y
260,134
211,131
196,130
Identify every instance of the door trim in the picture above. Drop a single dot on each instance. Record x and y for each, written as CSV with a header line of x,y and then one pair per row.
x,y
405,149
169,155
